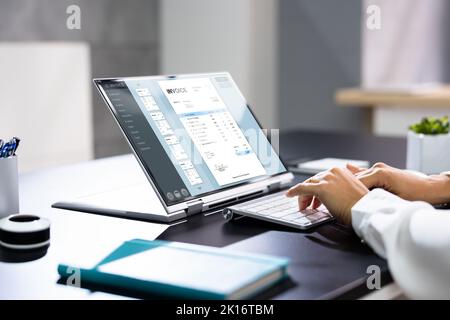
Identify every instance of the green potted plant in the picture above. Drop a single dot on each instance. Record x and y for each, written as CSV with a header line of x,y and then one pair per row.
x,y
428,146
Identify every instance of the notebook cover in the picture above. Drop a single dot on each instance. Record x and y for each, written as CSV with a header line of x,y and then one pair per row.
x,y
135,246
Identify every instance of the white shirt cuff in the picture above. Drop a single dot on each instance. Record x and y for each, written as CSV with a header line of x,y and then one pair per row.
x,y
372,214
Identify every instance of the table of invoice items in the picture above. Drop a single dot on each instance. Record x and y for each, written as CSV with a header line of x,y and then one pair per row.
x,y
213,130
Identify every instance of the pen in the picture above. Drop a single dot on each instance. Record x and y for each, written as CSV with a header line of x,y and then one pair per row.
x,y
8,149
17,144
3,150
11,148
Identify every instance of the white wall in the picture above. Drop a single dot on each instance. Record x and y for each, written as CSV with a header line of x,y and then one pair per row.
x,y
239,36
394,121
45,99
408,49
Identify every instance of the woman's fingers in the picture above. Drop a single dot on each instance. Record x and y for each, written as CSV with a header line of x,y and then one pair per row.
x,y
304,201
316,203
371,179
306,193
354,169
304,188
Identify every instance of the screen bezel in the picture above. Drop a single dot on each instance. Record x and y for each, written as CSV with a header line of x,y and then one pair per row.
x,y
146,169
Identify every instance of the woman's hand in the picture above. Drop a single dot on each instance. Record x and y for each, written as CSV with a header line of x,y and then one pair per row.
x,y
338,189
405,184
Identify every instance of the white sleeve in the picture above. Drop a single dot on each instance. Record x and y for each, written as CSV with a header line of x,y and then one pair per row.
x,y
413,237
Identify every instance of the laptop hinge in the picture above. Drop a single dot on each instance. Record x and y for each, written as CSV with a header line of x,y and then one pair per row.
x,y
274,186
195,206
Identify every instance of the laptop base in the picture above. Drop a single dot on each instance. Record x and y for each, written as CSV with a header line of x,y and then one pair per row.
x,y
137,201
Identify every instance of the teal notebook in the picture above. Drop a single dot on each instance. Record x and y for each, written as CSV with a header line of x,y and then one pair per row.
x,y
182,270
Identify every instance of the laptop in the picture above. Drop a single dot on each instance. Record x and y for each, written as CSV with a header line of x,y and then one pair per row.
x,y
202,149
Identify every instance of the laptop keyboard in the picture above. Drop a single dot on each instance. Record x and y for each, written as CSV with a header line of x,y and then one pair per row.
x,y
278,208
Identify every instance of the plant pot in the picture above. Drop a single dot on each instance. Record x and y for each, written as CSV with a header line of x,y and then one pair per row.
x,y
428,153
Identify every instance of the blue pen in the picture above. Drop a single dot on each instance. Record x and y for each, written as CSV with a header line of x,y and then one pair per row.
x,y
4,150
12,147
8,149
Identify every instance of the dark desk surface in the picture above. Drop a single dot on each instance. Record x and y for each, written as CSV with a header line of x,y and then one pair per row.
x,y
295,144
37,279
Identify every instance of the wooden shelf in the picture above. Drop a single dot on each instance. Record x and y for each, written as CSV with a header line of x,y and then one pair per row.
x,y
438,97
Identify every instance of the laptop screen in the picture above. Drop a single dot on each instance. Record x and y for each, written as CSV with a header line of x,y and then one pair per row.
x,y
194,134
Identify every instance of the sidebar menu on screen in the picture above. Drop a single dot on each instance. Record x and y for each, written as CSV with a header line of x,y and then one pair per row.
x,y
145,142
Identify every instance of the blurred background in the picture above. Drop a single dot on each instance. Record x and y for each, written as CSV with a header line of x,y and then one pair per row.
x,y
289,57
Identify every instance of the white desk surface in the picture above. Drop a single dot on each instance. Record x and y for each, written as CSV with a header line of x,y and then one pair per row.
x,y
75,236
